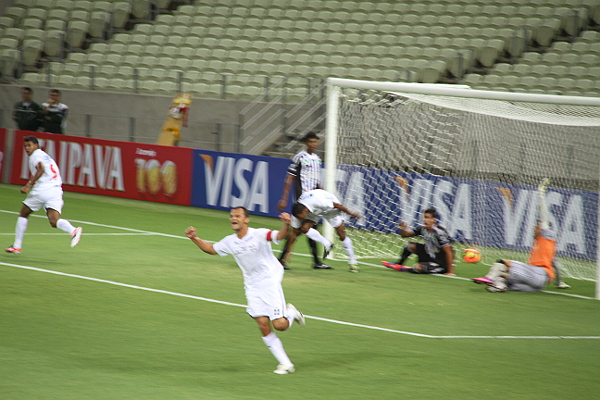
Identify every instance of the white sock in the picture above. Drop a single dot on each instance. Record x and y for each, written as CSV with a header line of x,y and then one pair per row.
x,y
276,347
316,236
20,232
65,225
496,271
290,315
347,244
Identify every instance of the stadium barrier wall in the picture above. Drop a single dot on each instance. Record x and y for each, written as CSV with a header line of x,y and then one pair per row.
x,y
460,203
2,152
225,180
164,174
105,167
219,180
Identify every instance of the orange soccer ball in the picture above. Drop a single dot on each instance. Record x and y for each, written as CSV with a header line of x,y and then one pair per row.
x,y
471,255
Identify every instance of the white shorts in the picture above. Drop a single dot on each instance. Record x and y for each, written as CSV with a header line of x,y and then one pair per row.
x,y
267,301
46,198
526,278
333,217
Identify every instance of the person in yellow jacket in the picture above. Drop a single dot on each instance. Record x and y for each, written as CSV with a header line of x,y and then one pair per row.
x,y
176,118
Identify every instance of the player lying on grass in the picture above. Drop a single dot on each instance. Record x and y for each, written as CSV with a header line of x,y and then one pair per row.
x,y
435,256
541,268
310,208
262,272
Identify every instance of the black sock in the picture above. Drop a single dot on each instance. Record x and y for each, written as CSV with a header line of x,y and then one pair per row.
x,y
405,254
313,249
283,252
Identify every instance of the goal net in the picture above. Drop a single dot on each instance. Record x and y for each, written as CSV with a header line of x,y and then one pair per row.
x,y
477,157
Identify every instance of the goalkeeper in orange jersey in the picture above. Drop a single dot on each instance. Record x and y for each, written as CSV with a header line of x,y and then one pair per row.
x,y
542,267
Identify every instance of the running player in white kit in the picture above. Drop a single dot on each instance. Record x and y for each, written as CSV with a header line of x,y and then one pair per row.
x,y
44,189
251,248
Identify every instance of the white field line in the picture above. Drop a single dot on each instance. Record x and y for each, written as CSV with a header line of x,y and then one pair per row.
x,y
307,316
137,231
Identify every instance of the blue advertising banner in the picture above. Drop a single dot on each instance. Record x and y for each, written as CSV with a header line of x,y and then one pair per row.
x,y
478,212
225,180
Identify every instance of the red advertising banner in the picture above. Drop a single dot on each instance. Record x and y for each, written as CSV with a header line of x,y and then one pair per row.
x,y
119,169
2,152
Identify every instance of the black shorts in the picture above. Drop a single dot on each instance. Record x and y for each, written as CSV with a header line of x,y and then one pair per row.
x,y
430,265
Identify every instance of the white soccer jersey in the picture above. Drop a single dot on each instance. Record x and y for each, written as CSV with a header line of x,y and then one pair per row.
x,y
319,202
51,176
253,255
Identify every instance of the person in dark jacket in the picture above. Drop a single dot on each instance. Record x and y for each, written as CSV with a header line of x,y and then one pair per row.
x,y
27,113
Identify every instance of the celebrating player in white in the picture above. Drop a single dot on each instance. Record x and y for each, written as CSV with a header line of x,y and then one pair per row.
x,y
251,248
44,189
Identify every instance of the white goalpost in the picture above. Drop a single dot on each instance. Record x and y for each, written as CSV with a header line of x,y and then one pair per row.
x,y
395,149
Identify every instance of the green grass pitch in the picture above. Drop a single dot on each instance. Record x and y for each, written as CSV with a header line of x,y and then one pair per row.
x,y
136,311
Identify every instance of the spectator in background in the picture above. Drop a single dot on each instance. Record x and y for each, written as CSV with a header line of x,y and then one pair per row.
x,y
54,113
27,113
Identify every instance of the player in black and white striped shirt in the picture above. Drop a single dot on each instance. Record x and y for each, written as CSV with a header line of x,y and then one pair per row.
x,y
305,172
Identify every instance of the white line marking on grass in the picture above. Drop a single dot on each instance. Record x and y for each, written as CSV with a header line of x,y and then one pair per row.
x,y
86,234
150,233
334,321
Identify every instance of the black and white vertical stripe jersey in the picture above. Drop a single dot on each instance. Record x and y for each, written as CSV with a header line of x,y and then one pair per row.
x,y
306,168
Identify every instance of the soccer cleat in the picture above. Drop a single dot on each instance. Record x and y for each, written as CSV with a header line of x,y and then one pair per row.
x,y
284,265
285,369
327,250
76,236
397,267
483,279
321,266
389,264
353,268
299,316
563,285
496,289
12,250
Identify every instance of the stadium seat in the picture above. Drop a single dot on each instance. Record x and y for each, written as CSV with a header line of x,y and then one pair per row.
x,y
545,33
99,21
15,13
77,31
432,72
53,43
31,23
105,71
503,68
9,59
31,51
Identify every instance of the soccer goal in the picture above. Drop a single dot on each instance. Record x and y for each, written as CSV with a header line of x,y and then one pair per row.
x,y
395,149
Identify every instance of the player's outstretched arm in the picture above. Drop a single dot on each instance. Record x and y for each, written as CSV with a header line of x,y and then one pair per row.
x,y
205,246
404,231
285,230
